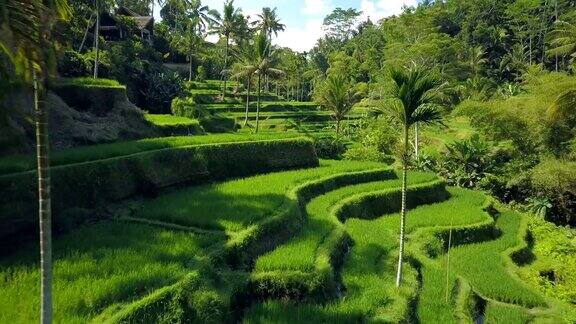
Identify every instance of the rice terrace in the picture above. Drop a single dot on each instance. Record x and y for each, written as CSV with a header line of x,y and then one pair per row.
x,y
329,161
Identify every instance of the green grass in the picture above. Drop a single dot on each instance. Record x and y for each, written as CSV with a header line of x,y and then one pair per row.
x,y
300,252
554,251
368,272
497,313
170,120
435,138
89,83
265,106
234,205
99,266
492,274
21,163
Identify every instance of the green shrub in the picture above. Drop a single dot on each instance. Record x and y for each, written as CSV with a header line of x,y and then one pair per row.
x,y
200,74
556,179
554,252
499,124
329,147
466,162
184,107
159,87
371,154
73,64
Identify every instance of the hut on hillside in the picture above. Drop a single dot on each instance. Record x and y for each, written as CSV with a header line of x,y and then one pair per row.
x,y
111,29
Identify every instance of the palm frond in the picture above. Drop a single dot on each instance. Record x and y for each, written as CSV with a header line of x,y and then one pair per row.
x,y
563,106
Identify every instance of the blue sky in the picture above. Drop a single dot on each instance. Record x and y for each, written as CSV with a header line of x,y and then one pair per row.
x,y
303,18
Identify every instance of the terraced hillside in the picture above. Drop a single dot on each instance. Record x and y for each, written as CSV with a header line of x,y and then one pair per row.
x,y
475,281
276,114
313,245
178,250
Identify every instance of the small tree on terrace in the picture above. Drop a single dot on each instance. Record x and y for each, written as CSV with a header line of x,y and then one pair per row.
x,y
338,95
414,95
245,68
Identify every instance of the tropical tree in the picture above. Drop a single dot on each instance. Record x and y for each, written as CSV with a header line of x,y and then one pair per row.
x,y
563,108
476,59
267,61
193,23
97,38
413,100
226,26
245,68
563,39
259,59
338,94
25,37
269,22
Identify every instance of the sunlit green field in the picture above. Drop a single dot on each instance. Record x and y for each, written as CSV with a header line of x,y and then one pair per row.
x,y
368,272
116,261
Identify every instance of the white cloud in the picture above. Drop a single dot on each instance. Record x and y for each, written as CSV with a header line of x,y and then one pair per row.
x,y
317,7
301,38
378,9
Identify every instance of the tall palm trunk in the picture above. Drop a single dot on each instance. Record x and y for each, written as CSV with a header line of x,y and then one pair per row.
x,y
416,141
190,67
85,34
247,101
258,104
403,210
225,66
44,200
97,40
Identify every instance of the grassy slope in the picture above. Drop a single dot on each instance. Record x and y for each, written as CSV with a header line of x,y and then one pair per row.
x,y
368,273
234,205
487,262
435,138
20,163
169,120
300,252
99,266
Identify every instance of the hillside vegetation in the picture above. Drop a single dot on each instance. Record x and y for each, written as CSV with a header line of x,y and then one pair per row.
x,y
416,164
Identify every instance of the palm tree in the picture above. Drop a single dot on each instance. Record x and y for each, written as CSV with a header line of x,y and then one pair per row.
x,y
97,39
563,108
259,59
476,60
269,22
227,25
193,23
413,100
563,39
245,68
25,38
267,61
339,96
